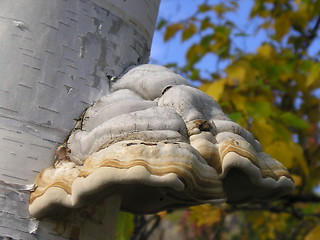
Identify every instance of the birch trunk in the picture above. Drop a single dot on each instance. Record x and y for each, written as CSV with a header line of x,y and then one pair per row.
x,y
55,56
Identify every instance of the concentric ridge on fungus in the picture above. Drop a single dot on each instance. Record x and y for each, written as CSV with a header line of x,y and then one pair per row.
x,y
160,144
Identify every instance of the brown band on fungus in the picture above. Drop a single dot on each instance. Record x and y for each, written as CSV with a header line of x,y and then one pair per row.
x,y
62,185
234,146
200,181
195,182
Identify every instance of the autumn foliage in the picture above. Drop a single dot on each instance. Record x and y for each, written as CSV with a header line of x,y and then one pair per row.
x,y
274,93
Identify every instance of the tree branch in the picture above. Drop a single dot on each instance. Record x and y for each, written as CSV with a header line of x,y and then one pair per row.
x,y
285,205
302,198
312,34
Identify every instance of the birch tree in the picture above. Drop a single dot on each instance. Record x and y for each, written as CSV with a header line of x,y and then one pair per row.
x,y
57,58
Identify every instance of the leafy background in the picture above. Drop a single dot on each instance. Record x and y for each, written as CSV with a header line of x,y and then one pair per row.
x,y
261,63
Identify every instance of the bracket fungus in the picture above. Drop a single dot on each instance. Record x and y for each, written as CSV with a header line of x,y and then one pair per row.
x,y
159,144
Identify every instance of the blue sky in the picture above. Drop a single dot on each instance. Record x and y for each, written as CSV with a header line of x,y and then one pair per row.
x,y
174,50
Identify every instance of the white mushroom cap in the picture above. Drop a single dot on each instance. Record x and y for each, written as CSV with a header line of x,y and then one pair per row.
x,y
246,171
148,80
160,148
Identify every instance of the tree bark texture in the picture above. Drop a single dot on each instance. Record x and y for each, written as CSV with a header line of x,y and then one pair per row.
x,y
56,59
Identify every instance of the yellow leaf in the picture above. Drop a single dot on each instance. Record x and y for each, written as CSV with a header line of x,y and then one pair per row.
x,y
282,25
236,73
239,102
297,180
205,214
265,133
124,225
314,74
188,32
297,152
266,51
266,25
214,89
241,72
282,152
171,30
289,154
194,52
314,234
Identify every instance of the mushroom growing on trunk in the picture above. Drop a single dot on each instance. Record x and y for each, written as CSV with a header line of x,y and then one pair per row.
x,y
159,144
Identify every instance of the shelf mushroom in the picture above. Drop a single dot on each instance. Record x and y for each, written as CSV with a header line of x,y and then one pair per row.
x,y
159,144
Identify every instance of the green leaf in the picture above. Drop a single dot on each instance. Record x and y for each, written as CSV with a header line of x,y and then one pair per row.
x,y
306,65
223,30
235,116
282,130
204,8
293,120
195,74
222,8
206,40
206,23
259,109
282,26
223,51
171,30
161,23
125,226
273,72
194,54
171,65
188,32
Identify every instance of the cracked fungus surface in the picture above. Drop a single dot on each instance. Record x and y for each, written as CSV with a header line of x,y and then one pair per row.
x,y
160,144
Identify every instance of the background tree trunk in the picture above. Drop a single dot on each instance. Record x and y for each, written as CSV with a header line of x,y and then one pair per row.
x,y
56,57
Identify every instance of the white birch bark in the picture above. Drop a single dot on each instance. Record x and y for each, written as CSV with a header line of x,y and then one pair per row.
x,y
55,56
